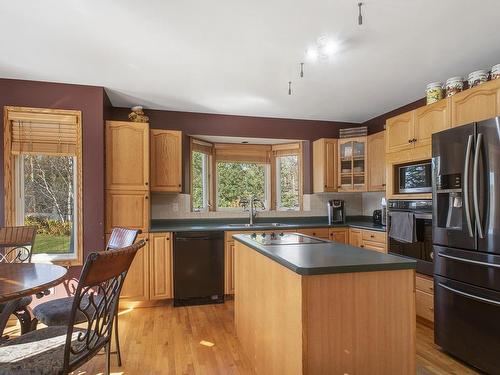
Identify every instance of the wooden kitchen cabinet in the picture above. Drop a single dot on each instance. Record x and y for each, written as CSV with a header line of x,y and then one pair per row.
x,y
136,285
431,119
376,162
315,232
399,132
476,104
160,266
325,165
127,155
339,235
424,297
355,237
229,267
352,164
166,160
128,209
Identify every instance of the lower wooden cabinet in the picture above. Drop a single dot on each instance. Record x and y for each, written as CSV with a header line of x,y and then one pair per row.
x,y
229,268
424,297
315,232
127,208
150,276
368,239
339,235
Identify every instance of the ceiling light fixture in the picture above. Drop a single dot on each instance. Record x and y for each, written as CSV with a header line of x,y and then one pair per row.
x,y
360,16
289,87
324,49
301,70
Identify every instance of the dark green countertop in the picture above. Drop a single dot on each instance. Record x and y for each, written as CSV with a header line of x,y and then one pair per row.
x,y
327,257
191,225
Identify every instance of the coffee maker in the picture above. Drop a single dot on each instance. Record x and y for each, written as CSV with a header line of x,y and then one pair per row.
x,y
336,211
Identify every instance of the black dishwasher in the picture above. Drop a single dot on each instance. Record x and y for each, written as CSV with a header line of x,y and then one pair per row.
x,y
198,268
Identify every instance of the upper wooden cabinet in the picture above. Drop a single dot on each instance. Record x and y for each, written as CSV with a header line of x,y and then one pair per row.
x,y
479,103
127,155
431,119
376,162
160,266
325,165
166,160
352,167
399,132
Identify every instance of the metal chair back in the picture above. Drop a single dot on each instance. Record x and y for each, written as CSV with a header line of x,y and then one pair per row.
x,y
96,297
16,244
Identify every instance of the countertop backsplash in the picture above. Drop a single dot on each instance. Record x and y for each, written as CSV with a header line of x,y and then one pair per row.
x,y
178,206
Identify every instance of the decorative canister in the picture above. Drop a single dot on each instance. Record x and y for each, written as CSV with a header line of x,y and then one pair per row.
x,y
495,71
434,92
477,77
454,85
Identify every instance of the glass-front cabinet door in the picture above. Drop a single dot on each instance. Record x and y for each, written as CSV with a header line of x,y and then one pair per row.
x,y
352,164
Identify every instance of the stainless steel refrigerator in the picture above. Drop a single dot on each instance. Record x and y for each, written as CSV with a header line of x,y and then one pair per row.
x,y
466,238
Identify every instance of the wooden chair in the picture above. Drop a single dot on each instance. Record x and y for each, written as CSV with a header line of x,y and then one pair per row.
x,y
16,245
56,312
62,349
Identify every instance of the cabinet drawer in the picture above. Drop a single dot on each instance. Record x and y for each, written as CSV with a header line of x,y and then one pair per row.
x,y
424,284
315,232
370,235
376,246
424,305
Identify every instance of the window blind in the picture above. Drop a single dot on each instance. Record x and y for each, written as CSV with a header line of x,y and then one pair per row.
x,y
287,149
43,133
201,146
242,153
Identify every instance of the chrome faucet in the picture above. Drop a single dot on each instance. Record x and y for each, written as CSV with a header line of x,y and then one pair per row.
x,y
249,205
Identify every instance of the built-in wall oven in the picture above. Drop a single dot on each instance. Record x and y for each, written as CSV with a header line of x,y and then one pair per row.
x,y
421,248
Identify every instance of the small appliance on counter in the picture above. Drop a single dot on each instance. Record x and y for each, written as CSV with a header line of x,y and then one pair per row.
x,y
377,217
336,211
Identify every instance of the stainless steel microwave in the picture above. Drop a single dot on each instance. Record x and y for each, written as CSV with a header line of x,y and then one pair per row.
x,y
415,178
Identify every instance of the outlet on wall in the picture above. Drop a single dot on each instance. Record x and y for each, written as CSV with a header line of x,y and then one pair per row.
x,y
175,207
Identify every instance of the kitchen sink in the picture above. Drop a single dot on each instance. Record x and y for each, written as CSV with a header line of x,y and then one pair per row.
x,y
256,225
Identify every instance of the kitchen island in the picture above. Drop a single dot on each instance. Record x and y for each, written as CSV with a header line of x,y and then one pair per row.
x,y
305,306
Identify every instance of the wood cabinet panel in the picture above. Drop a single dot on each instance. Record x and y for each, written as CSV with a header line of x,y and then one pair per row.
x,y
229,268
127,155
136,285
372,235
352,164
127,209
325,165
160,266
315,232
372,245
476,104
339,235
166,160
424,284
399,131
355,237
376,162
424,305
431,119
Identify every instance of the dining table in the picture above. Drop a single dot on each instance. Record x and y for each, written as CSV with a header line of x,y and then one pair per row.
x,y
24,279
19,280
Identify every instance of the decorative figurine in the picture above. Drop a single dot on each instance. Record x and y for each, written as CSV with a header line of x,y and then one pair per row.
x,y
137,114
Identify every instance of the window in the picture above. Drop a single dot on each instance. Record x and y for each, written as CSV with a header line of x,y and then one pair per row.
x,y
200,181
287,182
46,199
43,151
237,180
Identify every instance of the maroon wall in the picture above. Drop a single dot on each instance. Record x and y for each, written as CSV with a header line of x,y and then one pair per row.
x,y
377,124
240,126
91,101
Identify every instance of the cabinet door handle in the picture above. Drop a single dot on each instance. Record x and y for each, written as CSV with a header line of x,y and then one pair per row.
x,y
146,183
146,197
409,140
372,236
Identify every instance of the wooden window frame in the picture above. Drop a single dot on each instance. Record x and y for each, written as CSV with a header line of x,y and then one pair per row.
x,y
9,172
285,150
196,145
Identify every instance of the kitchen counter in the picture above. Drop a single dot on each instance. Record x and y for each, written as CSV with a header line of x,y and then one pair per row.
x,y
327,257
188,225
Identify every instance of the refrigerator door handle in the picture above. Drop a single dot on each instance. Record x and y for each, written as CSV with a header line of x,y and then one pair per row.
x,y
466,185
475,185
495,265
468,295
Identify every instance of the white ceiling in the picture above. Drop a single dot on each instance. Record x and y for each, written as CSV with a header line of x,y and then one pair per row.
x,y
237,56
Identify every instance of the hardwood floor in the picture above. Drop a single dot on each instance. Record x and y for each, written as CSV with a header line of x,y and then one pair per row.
x,y
164,340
